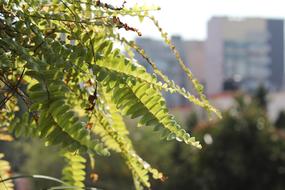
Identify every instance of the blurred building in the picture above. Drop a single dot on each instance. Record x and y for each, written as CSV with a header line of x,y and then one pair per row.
x,y
161,54
244,53
192,53
196,58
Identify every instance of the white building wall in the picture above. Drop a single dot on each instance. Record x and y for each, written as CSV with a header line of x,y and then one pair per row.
x,y
214,57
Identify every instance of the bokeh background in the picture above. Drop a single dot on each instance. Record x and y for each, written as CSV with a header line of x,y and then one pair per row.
x,y
236,50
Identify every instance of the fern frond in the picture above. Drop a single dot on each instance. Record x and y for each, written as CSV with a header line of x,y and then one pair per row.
x,y
112,130
51,98
120,144
139,100
6,118
5,169
170,85
64,50
124,68
5,172
74,171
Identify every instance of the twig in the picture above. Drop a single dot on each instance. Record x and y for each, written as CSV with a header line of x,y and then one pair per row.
x,y
14,89
109,6
3,182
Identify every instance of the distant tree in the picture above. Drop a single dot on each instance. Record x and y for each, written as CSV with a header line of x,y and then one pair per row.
x,y
280,121
244,152
260,96
192,121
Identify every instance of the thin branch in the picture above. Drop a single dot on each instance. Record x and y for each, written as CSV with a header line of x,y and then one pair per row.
x,y
109,6
14,89
3,182
5,100
35,177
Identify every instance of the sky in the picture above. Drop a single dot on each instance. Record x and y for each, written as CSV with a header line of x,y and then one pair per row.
x,y
188,18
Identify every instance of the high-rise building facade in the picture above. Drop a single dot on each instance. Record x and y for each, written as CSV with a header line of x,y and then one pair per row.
x,y
244,52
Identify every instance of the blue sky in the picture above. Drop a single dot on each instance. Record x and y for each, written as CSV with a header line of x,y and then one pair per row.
x,y
189,17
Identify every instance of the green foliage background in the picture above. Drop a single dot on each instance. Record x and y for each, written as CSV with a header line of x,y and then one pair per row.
x,y
247,152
